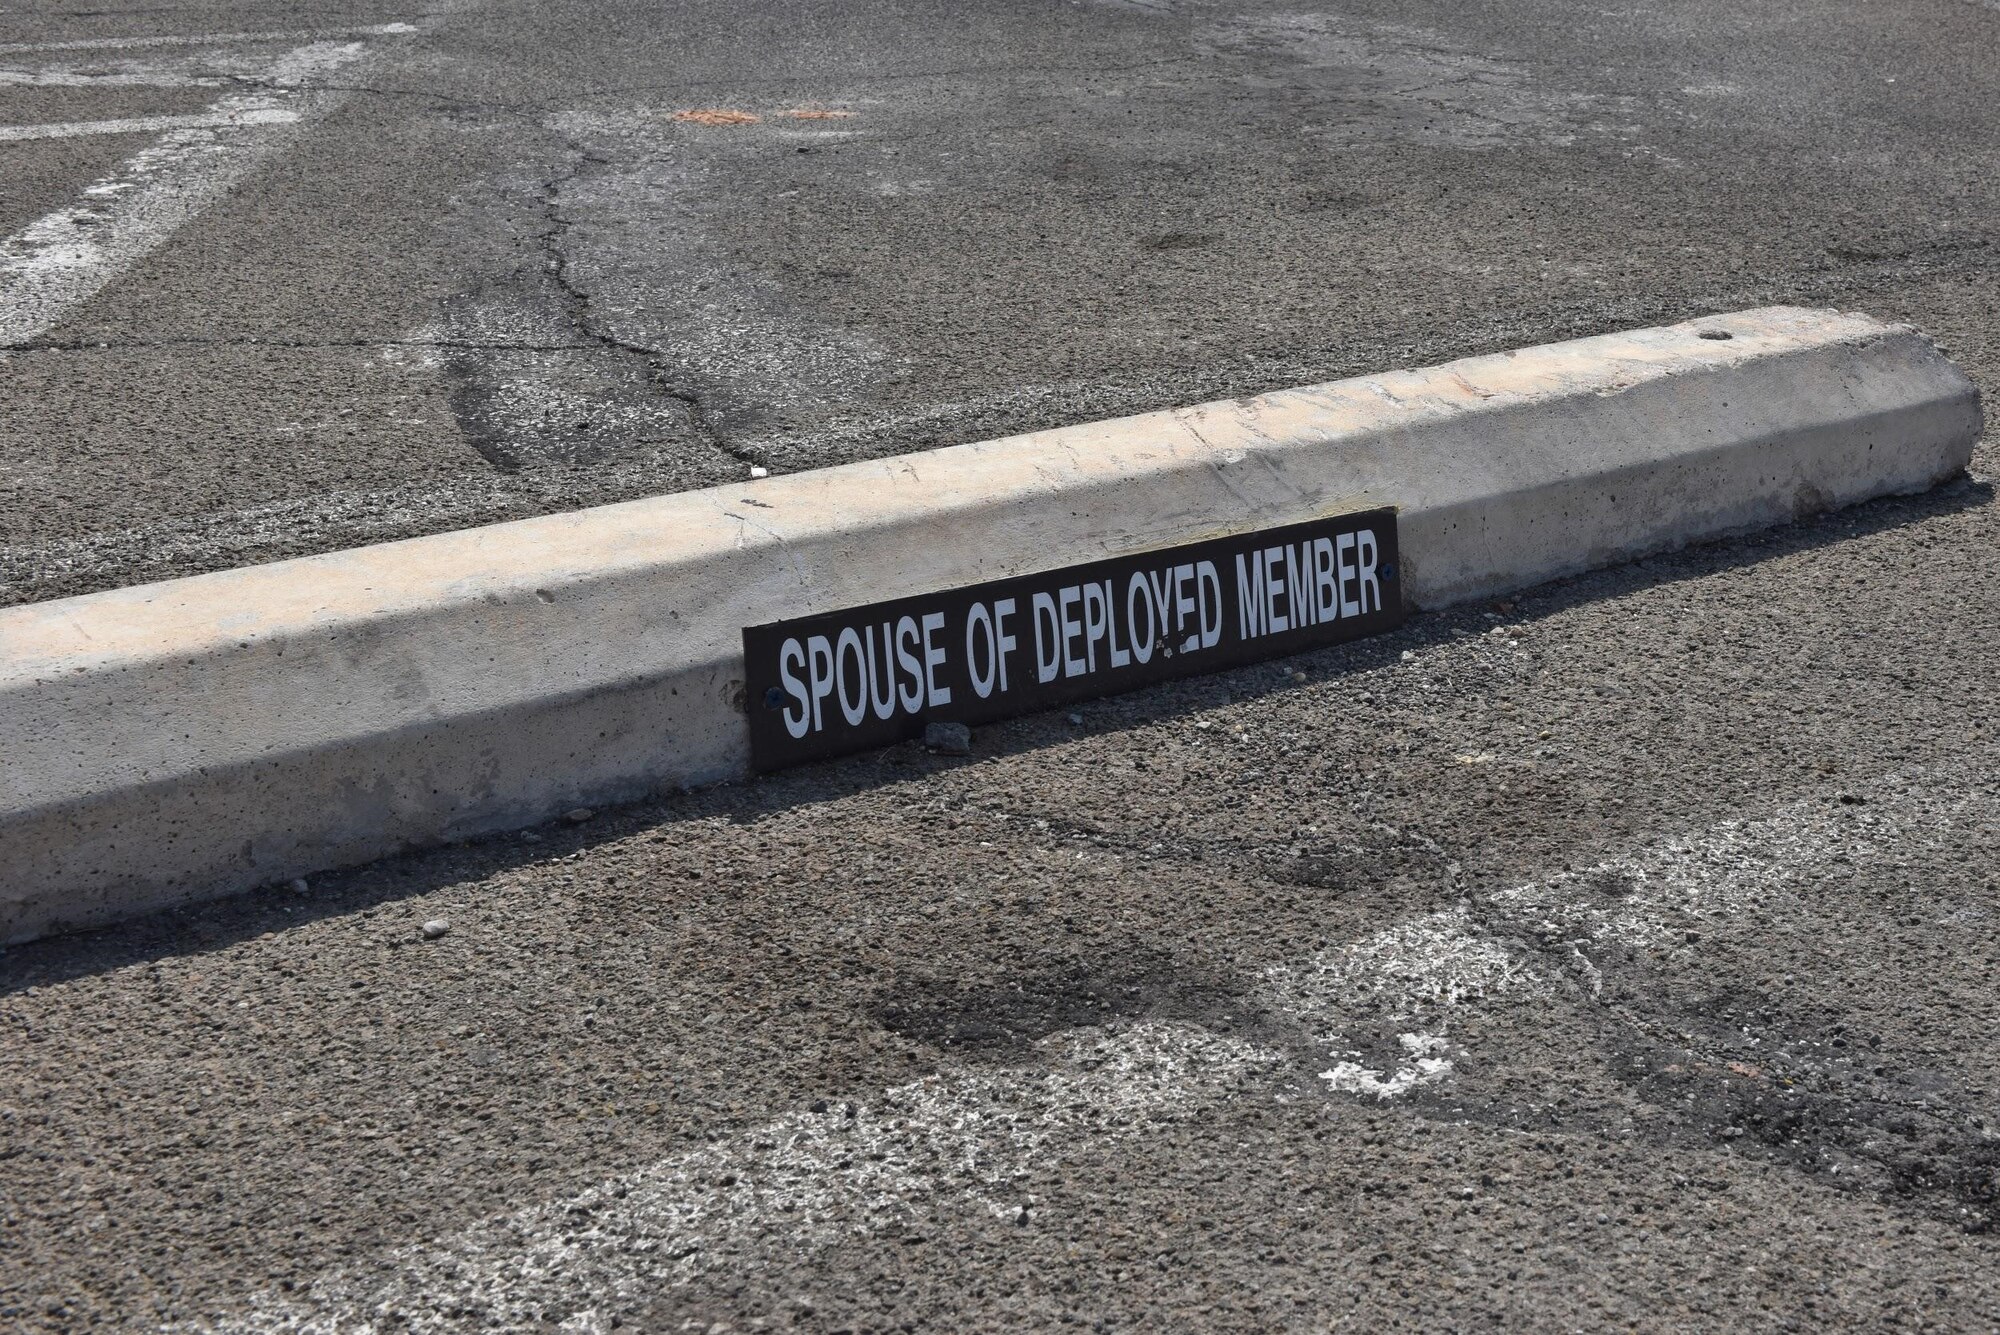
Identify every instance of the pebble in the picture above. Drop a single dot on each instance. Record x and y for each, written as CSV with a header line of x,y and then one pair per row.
x,y
1076,720
758,470
579,815
435,928
949,739
297,885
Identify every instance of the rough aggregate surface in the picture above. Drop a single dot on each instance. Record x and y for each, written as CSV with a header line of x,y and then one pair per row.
x,y
533,257
1679,876
1616,956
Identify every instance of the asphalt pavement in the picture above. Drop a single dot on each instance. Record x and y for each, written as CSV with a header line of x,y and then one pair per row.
x,y
454,263
1624,958
1619,956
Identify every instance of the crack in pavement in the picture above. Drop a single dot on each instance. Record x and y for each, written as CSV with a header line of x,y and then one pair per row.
x,y
579,300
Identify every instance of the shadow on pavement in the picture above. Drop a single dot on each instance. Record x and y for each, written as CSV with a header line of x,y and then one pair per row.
x,y
200,928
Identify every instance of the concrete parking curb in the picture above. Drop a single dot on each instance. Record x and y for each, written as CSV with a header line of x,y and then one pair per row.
x,y
192,738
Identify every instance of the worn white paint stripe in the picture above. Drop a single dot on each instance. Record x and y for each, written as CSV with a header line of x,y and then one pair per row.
x,y
159,69
207,39
140,78
207,120
943,1146
64,258
960,1143
1422,967
1426,970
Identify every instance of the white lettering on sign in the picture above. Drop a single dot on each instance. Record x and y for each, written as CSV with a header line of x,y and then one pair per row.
x,y
904,666
1308,583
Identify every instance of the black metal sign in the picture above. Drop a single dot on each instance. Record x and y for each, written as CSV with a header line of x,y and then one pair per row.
x,y
870,676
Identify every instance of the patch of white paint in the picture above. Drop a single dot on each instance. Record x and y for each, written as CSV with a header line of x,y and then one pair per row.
x,y
1437,965
1425,1064
1658,893
962,1143
127,78
207,39
207,120
1423,967
965,1142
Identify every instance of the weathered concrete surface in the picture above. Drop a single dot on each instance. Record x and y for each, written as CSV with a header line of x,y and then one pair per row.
x,y
209,734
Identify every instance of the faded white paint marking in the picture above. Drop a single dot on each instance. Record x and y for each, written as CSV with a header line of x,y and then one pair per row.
x,y
1445,962
207,120
188,68
1426,1064
1425,966
1657,894
63,259
958,1145
207,39
132,78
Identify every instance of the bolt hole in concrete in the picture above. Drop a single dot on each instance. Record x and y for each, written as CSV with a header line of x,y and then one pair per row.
x,y
1716,333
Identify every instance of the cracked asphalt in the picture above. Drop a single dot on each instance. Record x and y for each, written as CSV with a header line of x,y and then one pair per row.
x,y
520,257
1617,956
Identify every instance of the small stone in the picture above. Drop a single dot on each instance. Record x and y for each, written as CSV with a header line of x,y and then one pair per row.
x,y
435,928
948,739
297,885
819,1105
758,470
1409,655
1298,676
530,837
1076,720
579,815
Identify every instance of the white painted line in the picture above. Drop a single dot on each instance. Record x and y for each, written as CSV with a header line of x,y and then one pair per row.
x,y
208,39
208,120
185,68
955,1146
63,259
1654,897
936,1149
1432,968
131,78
